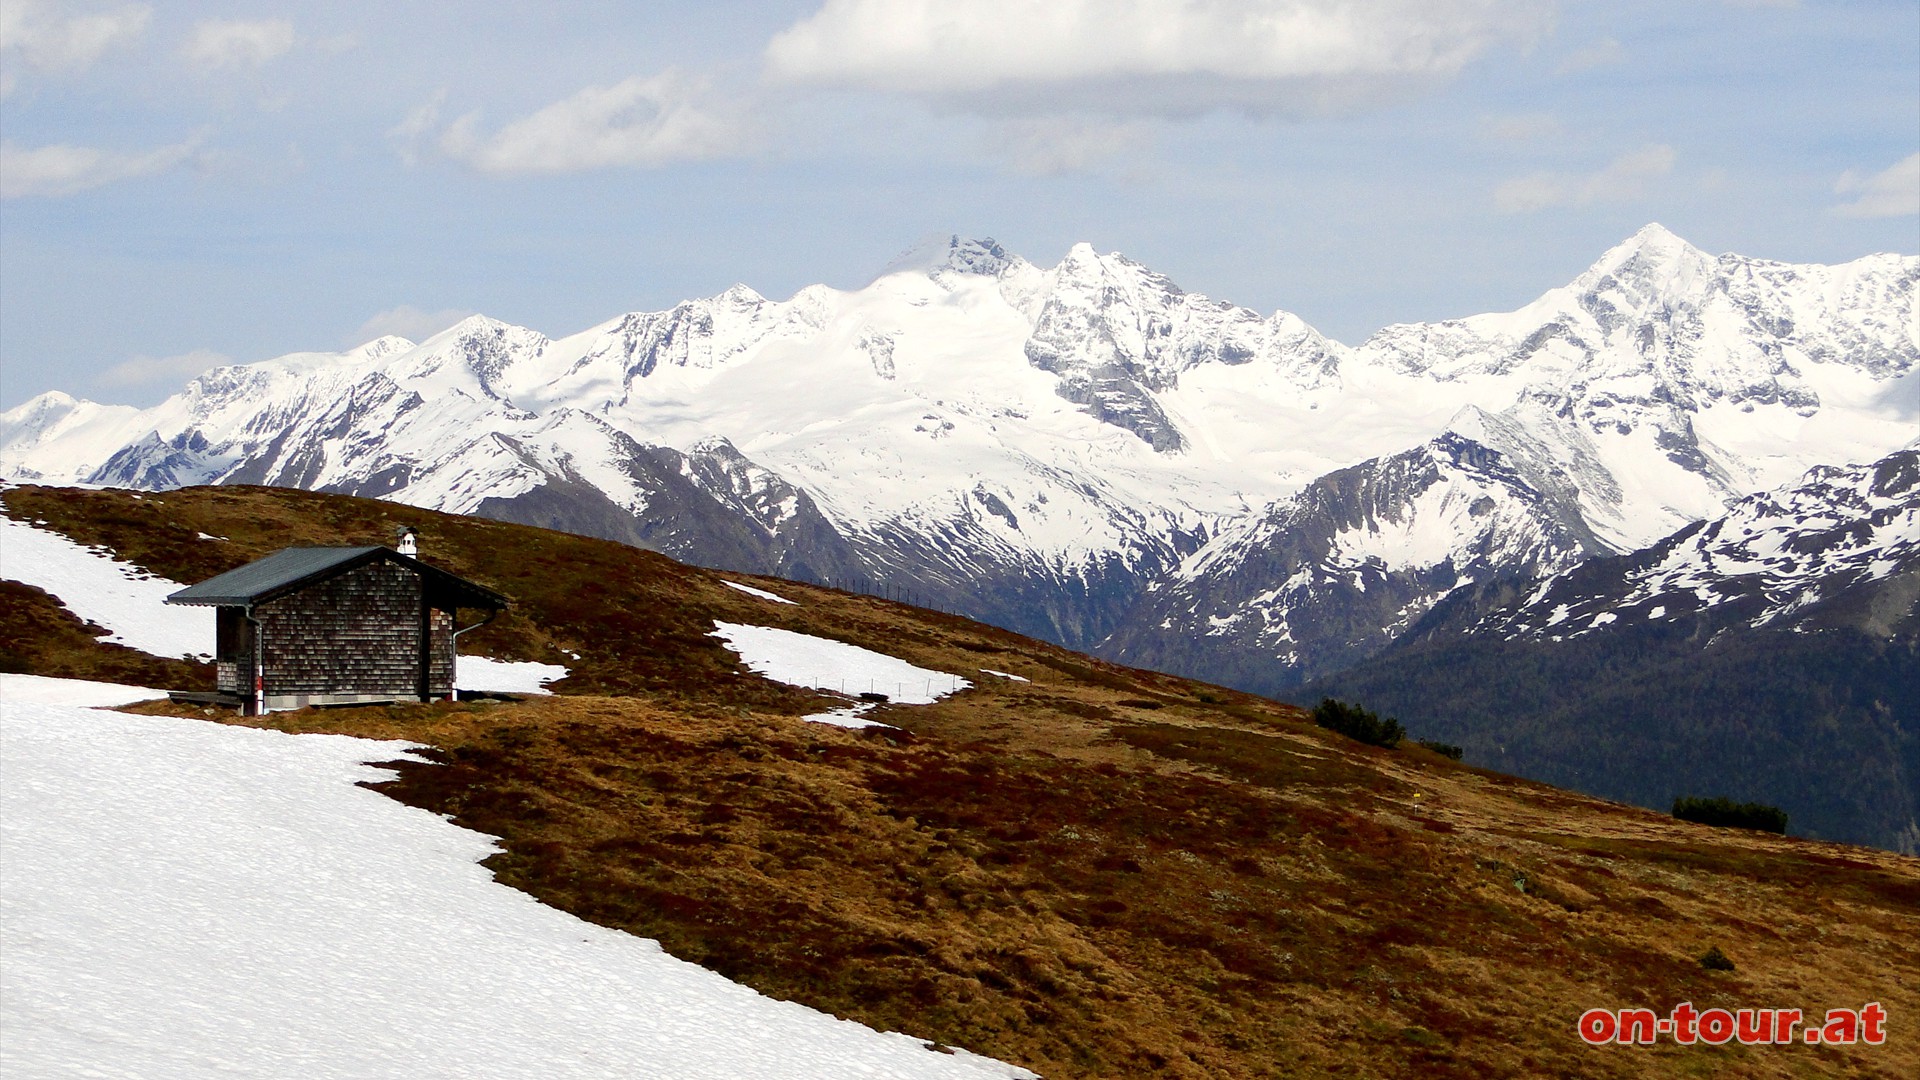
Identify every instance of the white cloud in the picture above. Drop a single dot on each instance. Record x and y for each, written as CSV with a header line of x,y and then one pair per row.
x,y
38,36
639,122
1219,51
416,125
64,170
144,370
1623,178
408,322
236,43
1603,53
1892,192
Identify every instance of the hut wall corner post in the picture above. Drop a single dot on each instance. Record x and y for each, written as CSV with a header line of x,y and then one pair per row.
x,y
259,664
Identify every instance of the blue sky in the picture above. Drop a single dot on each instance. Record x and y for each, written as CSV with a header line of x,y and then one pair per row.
x,y
189,184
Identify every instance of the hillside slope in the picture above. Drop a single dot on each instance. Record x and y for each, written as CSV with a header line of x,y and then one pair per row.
x,y
1089,870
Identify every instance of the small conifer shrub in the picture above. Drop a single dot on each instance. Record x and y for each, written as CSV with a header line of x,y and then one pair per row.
x,y
1715,960
1445,750
1362,725
1724,811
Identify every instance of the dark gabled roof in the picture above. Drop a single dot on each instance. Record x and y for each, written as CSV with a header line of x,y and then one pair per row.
x,y
292,568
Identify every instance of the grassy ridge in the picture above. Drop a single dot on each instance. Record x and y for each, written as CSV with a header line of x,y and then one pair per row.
x,y
1098,873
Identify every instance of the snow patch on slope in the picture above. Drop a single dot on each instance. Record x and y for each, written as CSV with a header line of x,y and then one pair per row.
x,y
506,676
751,591
101,589
823,664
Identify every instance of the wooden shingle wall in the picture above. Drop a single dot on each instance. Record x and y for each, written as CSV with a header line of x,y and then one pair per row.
x,y
353,633
441,683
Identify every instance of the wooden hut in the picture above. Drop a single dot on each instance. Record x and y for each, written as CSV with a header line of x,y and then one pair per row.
x,y
337,625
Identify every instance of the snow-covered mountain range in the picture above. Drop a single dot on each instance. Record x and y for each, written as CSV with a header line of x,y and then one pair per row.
x,y
1838,547
1086,453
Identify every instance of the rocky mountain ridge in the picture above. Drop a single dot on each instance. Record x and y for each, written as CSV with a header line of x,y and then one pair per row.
x,y
1840,547
1084,452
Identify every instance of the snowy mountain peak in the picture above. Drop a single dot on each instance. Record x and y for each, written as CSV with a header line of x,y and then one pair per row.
x,y
484,348
29,421
998,432
52,399
1336,571
1081,253
951,252
1651,267
32,417
1655,241
381,347
739,295
60,438
471,326
1083,264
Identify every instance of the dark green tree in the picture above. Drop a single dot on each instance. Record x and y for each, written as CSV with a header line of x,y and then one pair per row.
x,y
1362,725
1724,811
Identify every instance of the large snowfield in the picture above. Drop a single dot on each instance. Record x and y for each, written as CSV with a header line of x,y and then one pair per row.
x,y
187,899
39,690
180,898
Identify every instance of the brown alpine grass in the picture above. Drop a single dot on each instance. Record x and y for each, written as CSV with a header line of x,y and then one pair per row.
x,y
1100,872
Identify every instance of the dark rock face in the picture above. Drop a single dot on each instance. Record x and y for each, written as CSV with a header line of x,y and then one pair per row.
x,y
1113,395
1105,335
960,569
152,464
1336,573
711,508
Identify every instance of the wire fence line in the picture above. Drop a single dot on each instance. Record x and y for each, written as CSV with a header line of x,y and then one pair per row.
x,y
875,686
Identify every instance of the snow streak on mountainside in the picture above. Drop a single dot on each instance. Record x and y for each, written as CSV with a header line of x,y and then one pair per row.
x,y
120,598
1036,447
1791,557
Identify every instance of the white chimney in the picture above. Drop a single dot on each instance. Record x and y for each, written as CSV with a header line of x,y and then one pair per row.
x,y
409,543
